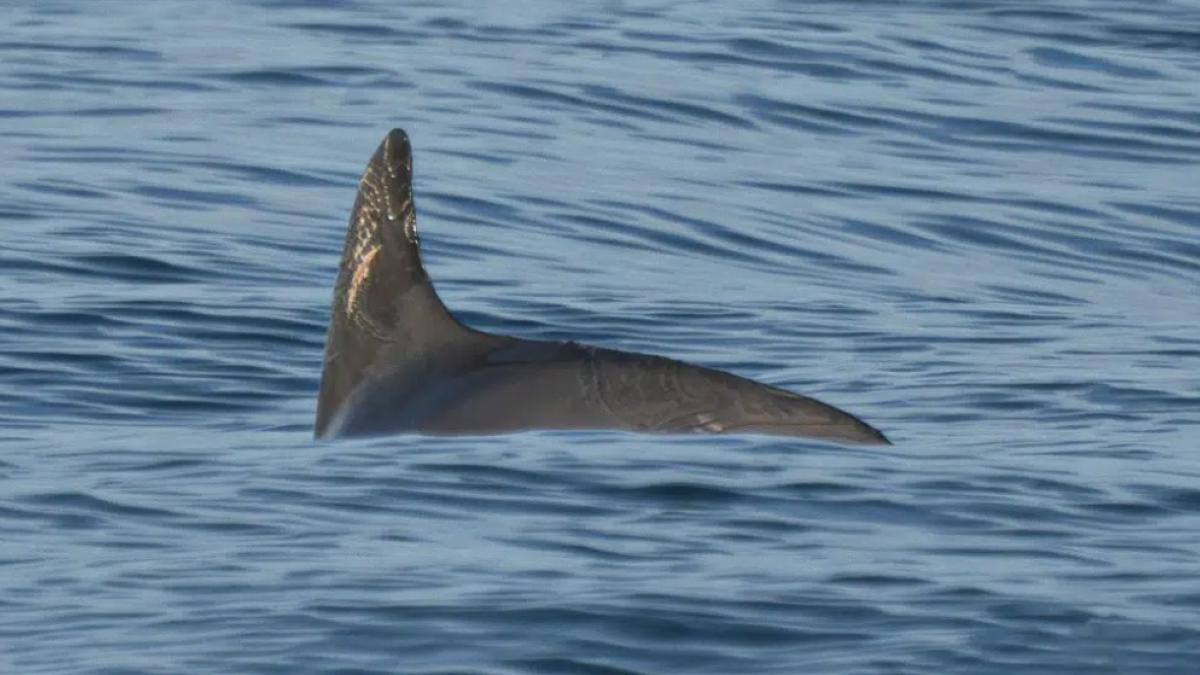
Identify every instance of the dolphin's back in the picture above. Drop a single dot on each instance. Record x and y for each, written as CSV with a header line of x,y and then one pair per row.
x,y
397,360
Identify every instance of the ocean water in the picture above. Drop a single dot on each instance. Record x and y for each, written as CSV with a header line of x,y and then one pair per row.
x,y
976,225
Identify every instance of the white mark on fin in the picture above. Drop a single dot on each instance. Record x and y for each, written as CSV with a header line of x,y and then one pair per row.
x,y
707,422
361,272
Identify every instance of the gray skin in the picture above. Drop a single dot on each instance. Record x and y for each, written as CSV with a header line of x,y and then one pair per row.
x,y
397,361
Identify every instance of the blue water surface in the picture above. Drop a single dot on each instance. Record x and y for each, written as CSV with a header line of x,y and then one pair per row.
x,y
977,225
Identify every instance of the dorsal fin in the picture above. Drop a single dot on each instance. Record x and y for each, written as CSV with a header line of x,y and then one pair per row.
x,y
383,302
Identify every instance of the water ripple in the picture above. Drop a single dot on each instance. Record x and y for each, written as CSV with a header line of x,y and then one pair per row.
x,y
974,225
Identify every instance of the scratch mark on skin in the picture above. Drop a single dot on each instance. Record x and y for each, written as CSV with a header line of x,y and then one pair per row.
x,y
361,272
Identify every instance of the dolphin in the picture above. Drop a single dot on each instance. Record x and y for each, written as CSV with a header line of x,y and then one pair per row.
x,y
396,360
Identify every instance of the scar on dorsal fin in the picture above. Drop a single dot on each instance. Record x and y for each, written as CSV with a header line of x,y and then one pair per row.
x,y
383,302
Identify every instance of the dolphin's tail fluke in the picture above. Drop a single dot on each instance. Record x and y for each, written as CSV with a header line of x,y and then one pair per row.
x,y
383,303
